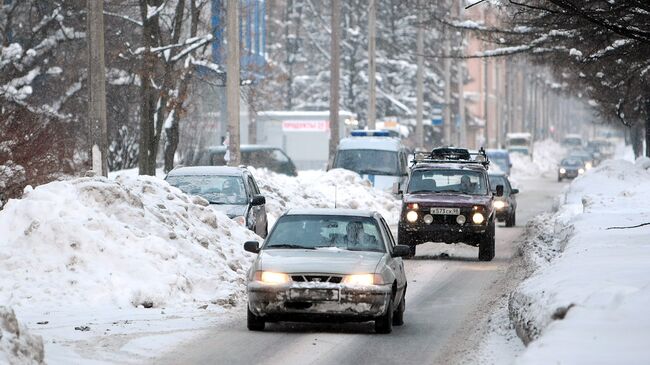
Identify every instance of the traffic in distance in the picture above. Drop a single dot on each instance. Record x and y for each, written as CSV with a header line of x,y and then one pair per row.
x,y
342,265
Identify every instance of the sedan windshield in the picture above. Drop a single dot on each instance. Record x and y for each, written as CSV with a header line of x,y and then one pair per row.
x,y
371,162
447,181
325,231
499,180
217,189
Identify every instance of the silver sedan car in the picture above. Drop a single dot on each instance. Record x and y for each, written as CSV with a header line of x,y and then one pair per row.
x,y
327,265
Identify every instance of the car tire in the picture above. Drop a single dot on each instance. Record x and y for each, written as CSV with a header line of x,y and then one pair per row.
x,y
412,249
486,246
384,324
559,179
253,322
398,316
510,220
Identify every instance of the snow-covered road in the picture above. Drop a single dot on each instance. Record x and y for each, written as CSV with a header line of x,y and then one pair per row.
x,y
448,302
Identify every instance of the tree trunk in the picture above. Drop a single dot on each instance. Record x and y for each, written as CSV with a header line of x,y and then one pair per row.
x,y
636,136
171,143
647,126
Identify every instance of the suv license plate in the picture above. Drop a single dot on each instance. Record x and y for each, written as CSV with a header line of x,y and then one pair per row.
x,y
445,211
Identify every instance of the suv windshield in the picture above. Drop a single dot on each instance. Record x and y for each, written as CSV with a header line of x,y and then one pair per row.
x,y
572,162
323,231
443,181
217,189
371,162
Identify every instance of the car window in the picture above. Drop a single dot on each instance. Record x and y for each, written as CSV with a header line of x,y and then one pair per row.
x,y
443,181
325,231
217,189
253,186
370,162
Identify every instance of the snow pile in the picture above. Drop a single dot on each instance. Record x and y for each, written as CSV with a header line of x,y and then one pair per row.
x,y
547,155
588,303
319,189
130,242
17,345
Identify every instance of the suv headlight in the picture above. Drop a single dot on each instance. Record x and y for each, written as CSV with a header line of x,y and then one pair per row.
x,y
478,218
412,216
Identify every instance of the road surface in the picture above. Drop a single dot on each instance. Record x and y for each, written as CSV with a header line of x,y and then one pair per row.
x,y
449,295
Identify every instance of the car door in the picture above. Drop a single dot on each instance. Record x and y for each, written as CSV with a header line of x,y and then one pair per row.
x,y
395,263
259,211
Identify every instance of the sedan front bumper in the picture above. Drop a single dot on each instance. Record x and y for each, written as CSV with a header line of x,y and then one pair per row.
x,y
310,301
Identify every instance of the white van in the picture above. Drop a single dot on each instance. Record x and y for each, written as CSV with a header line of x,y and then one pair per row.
x,y
375,156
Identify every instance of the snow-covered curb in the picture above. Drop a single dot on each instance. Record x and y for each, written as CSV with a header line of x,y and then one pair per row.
x,y
17,345
586,301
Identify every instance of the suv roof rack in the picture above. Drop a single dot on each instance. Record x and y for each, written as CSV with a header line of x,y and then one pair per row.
x,y
452,155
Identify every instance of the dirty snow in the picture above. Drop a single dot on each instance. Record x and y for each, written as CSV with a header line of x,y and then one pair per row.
x,y
587,302
547,155
17,345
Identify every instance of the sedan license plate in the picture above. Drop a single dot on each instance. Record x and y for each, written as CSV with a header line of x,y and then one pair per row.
x,y
314,294
445,211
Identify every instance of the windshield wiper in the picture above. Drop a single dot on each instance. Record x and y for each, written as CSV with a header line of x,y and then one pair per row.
x,y
216,203
374,172
421,191
288,245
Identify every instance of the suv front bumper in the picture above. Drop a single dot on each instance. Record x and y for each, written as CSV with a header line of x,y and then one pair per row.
x,y
417,233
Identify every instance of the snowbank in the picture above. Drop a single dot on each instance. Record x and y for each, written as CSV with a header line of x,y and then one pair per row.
x,y
17,345
320,189
130,242
547,155
587,302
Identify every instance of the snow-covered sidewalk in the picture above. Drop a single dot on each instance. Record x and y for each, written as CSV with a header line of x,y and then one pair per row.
x,y
586,302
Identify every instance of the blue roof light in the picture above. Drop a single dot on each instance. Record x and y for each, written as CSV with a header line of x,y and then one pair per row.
x,y
369,133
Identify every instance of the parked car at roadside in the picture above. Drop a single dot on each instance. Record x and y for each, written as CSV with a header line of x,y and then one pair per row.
x,y
259,156
231,190
324,264
505,205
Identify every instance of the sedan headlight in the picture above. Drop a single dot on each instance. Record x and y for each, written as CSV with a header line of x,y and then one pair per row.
x,y
499,204
588,165
362,279
563,171
412,216
273,278
478,218
581,171
240,219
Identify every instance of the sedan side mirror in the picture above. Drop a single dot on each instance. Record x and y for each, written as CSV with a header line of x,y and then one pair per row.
x,y
396,189
252,246
499,190
258,200
514,191
401,251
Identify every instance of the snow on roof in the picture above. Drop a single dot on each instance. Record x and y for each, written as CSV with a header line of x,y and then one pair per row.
x,y
332,212
370,143
298,113
207,170
518,135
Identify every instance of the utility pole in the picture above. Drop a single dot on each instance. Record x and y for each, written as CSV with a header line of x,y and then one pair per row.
x,y
499,102
335,53
462,135
486,104
97,87
419,126
232,81
372,36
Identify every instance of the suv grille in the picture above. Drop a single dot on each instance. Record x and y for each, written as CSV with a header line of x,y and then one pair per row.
x,y
317,278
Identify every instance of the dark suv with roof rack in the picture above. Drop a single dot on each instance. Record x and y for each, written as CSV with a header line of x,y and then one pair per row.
x,y
448,199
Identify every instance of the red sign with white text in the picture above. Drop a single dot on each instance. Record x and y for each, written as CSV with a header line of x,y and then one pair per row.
x,y
305,125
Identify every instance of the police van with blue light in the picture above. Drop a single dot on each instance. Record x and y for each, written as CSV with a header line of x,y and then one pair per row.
x,y
374,155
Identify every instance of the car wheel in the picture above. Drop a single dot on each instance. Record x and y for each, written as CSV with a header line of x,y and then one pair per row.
x,y
398,316
510,220
384,324
486,246
559,179
253,322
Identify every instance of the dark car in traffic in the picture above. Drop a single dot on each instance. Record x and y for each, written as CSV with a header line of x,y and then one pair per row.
x,y
570,168
448,199
258,156
231,190
505,205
